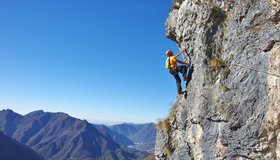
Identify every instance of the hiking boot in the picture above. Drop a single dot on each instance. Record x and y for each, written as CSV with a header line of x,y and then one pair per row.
x,y
186,78
180,93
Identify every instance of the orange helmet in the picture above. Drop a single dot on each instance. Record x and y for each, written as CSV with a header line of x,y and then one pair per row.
x,y
169,53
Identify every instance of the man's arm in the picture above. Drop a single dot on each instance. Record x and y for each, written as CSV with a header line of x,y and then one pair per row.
x,y
181,62
179,53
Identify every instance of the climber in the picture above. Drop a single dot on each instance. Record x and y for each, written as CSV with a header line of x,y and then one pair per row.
x,y
174,69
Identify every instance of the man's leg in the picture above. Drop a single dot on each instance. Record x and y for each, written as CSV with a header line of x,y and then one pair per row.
x,y
188,67
184,69
189,75
178,83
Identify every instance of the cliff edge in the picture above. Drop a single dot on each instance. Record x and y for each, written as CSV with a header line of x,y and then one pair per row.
x,y
233,106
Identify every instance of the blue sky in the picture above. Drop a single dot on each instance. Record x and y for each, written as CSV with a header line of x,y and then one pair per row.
x,y
97,60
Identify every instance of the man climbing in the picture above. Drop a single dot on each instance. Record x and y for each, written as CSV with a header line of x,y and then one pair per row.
x,y
174,69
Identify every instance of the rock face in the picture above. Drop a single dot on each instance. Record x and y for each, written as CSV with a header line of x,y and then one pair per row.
x,y
233,106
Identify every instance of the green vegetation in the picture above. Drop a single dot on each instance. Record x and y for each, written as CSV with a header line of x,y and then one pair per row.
x,y
243,123
165,125
216,63
168,150
231,57
222,109
174,7
218,67
269,1
224,88
197,2
217,9
209,51
208,110
226,71
220,49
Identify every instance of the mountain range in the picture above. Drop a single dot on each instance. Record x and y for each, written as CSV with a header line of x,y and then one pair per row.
x,y
143,135
12,150
119,138
58,136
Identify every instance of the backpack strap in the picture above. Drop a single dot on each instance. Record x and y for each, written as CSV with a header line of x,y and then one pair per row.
x,y
169,62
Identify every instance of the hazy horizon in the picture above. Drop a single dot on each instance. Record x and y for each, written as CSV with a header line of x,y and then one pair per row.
x,y
90,120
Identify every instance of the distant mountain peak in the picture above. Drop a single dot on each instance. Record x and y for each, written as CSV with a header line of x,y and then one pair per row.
x,y
7,111
10,113
36,113
62,114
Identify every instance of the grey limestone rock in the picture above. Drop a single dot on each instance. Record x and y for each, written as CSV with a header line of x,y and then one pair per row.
x,y
233,106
